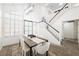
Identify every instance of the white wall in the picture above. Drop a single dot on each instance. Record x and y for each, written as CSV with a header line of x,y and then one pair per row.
x,y
0,19
78,31
10,40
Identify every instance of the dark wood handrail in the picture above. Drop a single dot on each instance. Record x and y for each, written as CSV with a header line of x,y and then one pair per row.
x,y
33,21
53,34
54,17
58,12
53,28
50,26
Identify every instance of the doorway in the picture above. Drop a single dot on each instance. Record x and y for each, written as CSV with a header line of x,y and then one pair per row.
x,y
70,30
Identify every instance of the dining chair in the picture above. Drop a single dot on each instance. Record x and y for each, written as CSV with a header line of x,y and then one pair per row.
x,y
41,49
25,48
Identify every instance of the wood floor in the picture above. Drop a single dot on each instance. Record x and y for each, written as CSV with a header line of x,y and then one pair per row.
x,y
13,50
67,48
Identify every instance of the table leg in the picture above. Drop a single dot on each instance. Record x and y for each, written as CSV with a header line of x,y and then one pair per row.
x,y
30,51
46,53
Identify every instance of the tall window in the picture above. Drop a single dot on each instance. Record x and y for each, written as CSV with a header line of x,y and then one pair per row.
x,y
28,28
12,24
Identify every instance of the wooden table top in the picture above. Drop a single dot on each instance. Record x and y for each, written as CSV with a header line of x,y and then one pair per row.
x,y
30,43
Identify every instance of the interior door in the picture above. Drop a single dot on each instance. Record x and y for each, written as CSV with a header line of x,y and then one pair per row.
x,y
69,32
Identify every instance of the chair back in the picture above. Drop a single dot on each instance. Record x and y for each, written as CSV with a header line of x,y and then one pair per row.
x,y
42,48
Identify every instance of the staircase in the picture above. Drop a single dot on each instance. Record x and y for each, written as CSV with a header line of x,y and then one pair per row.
x,y
50,28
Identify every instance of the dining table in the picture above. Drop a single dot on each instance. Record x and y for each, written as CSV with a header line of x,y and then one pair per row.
x,y
32,42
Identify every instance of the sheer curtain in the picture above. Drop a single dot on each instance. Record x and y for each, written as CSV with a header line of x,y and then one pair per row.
x,y
0,26
12,21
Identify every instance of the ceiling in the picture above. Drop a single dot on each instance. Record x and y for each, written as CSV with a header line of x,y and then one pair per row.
x,y
29,7
52,6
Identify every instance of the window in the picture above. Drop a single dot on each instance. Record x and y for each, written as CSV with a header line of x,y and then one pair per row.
x,y
12,24
28,28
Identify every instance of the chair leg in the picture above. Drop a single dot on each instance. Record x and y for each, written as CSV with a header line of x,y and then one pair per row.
x,y
22,53
26,53
46,53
